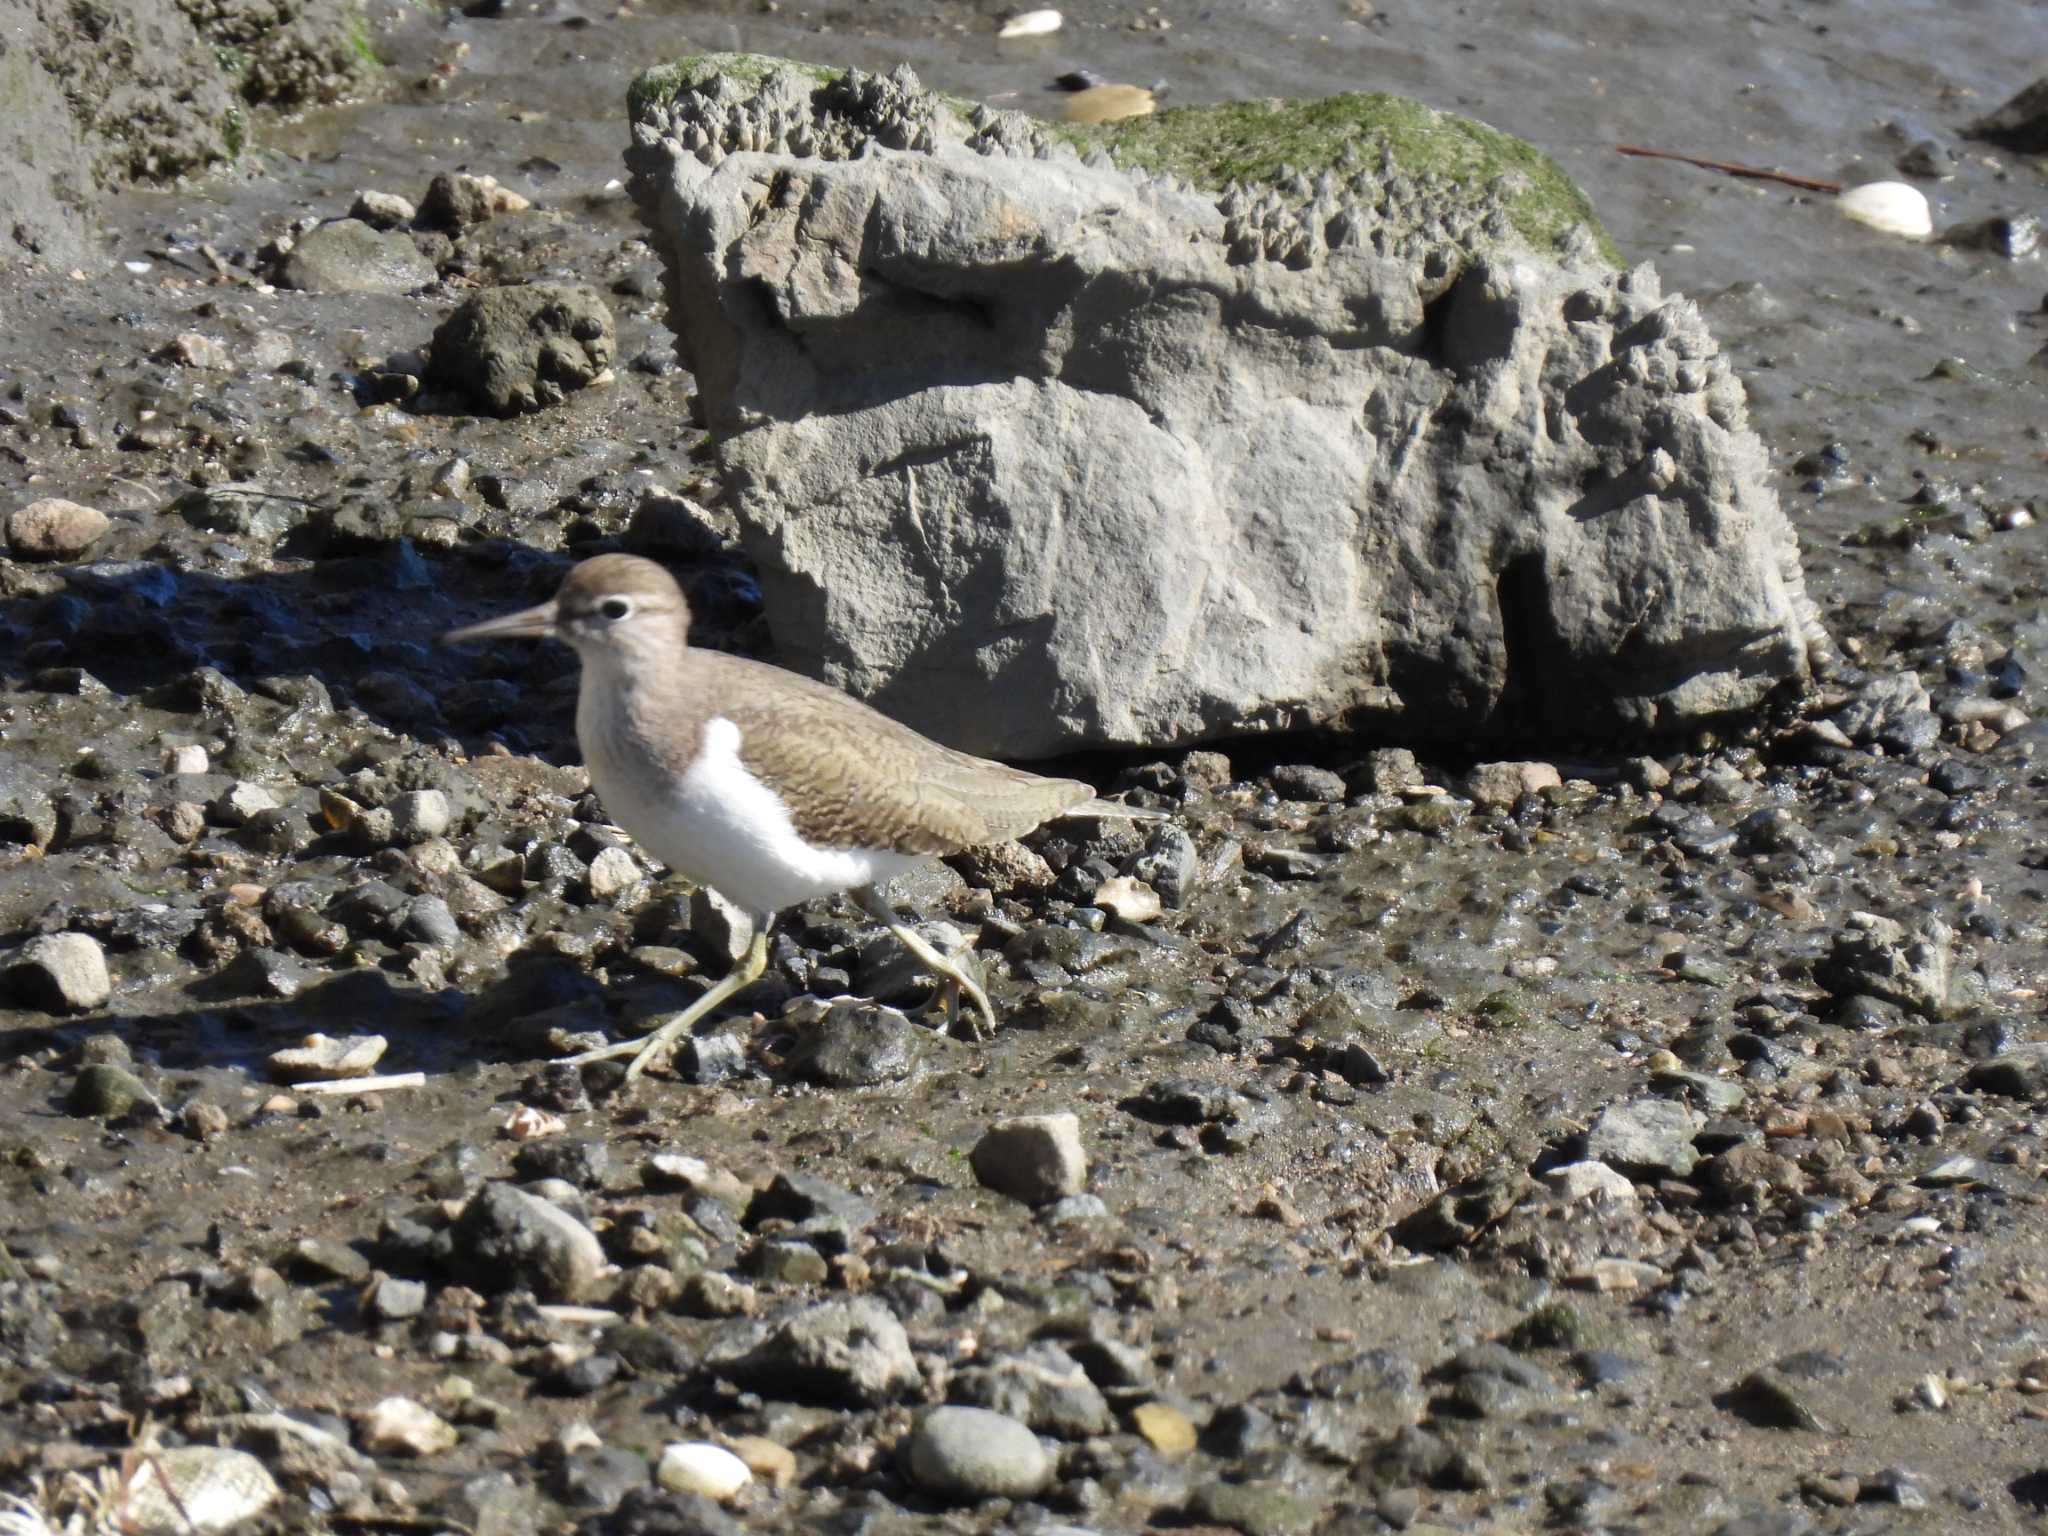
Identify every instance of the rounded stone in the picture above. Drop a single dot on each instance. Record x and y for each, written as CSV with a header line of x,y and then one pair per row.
x,y
973,1453
62,973
54,529
348,256
697,1466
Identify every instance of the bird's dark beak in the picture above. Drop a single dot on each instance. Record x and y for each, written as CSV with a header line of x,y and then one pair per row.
x,y
528,622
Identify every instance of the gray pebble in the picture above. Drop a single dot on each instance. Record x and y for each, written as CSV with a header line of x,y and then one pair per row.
x,y
972,1453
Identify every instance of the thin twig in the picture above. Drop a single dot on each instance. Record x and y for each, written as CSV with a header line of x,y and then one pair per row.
x,y
1730,168
362,1084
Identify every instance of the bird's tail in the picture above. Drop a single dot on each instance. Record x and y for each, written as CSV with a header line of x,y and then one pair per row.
x,y
1114,810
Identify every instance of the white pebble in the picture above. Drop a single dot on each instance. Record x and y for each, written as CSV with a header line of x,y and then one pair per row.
x,y
1032,24
1891,206
698,1466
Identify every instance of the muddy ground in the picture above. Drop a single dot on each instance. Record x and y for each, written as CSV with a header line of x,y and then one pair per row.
x,y
1802,1293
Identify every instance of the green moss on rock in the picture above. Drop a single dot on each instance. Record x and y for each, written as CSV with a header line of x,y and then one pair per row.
x,y
660,85
1260,141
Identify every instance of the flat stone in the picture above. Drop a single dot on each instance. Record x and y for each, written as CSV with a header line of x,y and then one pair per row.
x,y
1164,1427
1257,1509
348,256
1654,1135
318,1056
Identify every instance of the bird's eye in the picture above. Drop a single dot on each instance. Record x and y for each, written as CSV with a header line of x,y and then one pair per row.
x,y
615,607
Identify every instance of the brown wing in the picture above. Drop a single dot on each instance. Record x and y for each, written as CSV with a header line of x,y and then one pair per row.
x,y
852,777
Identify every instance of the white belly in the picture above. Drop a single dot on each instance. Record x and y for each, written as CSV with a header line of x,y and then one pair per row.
x,y
720,826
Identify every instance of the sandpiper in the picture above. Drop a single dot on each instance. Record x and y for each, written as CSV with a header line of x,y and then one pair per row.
x,y
768,787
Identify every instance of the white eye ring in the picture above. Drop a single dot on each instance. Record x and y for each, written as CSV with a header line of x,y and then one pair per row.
x,y
615,608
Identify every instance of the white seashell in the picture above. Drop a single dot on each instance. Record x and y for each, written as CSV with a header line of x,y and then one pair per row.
x,y
1032,24
698,1466
1891,206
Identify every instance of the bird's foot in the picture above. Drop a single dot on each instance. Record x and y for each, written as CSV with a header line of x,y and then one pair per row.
x,y
644,1049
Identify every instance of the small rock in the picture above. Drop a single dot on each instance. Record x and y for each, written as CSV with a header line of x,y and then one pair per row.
x,y
516,349
398,1426
393,1300
382,210
1257,1509
507,1239
348,256
61,973
773,1463
193,349
1301,781
203,1121
240,802
1128,900
851,1351
456,199
1592,1181
54,529
1165,1428
697,1466
971,1453
419,814
1655,1135
104,1091
318,1056
1033,1158
853,1044
612,873
1873,956
1497,786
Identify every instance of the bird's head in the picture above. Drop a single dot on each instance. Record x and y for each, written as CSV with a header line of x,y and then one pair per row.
x,y
605,607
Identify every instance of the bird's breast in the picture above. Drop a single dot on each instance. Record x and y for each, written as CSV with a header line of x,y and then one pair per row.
x,y
710,819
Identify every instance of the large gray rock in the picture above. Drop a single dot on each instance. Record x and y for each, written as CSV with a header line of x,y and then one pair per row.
x,y
1037,454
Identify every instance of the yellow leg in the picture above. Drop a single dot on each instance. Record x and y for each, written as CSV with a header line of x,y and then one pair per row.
x,y
647,1048
956,979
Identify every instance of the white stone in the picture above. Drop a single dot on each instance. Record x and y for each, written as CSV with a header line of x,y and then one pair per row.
x,y
698,1466
398,1426
1590,1181
1890,206
1032,24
